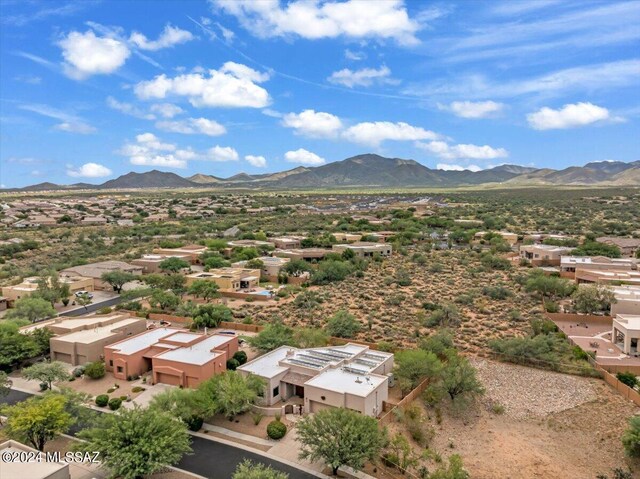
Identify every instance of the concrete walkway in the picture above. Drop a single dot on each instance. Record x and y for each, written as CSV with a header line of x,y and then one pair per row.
x,y
238,435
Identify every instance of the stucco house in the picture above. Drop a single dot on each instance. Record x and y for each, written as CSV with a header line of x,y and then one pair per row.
x,y
228,279
627,300
543,255
29,285
365,249
351,376
271,266
27,465
625,333
192,251
570,264
174,356
150,263
96,270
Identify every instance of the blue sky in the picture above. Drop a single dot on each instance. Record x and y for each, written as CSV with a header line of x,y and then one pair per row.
x,y
90,90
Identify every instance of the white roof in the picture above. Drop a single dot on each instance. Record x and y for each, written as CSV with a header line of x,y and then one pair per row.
x,y
628,321
267,365
341,381
182,337
31,469
141,341
96,334
199,353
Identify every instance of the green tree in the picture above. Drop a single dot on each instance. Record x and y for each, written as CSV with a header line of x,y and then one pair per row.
x,y
272,337
628,378
15,346
31,309
117,279
231,393
176,283
458,377
439,343
308,300
339,437
165,300
51,289
255,263
5,384
548,286
184,404
343,325
310,337
84,300
331,271
297,267
46,372
446,315
249,470
136,442
211,315
454,470
38,419
593,248
415,365
213,262
631,437
591,299
95,370
203,288
173,265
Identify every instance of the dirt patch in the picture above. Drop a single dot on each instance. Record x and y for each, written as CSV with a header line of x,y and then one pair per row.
x,y
244,423
94,387
526,392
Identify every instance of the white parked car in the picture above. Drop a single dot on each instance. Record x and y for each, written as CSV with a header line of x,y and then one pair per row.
x,y
84,293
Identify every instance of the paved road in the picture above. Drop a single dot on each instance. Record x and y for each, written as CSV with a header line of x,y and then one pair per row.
x,y
93,307
209,459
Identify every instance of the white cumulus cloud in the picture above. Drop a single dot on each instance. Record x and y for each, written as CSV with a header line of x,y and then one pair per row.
x,y
304,157
257,161
374,133
192,126
88,170
86,54
166,110
149,150
330,19
232,86
222,153
169,37
462,151
569,116
363,77
314,124
474,109
128,109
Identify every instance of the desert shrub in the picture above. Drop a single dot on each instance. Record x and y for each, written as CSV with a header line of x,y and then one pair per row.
x,y
257,417
115,403
240,356
627,378
95,370
102,400
631,437
77,372
276,430
104,310
232,364
137,389
496,292
343,325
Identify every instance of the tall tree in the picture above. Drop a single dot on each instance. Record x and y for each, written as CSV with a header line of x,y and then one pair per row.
x,y
173,264
38,419
136,442
15,346
211,315
343,325
46,372
272,337
231,393
340,437
31,309
117,279
203,288
51,289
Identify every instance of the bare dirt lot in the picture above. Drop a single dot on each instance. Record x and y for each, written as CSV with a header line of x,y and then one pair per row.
x,y
574,432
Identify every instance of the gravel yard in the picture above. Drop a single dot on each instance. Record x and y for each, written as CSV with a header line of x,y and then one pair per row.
x,y
528,392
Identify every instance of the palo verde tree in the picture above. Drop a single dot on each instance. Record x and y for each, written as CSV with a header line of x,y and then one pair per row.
x,y
117,279
32,309
339,437
51,289
201,288
173,265
136,442
38,419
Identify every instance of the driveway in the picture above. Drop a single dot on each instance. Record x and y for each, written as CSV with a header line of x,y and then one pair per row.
x,y
210,459
100,300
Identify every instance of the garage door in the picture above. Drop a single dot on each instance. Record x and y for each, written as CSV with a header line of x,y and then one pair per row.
x,y
168,379
316,406
65,358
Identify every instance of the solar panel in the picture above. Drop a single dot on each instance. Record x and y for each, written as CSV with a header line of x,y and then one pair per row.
x,y
371,364
326,355
307,364
349,369
344,354
306,357
377,357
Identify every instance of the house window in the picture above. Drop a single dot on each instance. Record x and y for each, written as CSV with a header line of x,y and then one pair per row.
x,y
111,362
276,391
119,369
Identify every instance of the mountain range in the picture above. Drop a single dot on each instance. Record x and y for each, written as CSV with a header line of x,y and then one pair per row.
x,y
370,170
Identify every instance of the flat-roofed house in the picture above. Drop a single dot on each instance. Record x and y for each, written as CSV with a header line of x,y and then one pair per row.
x,y
30,285
627,300
27,465
608,277
628,246
365,249
96,270
150,263
348,237
308,254
351,376
250,244
509,238
570,264
625,333
543,255
228,279
271,266
174,356
287,242
82,339
193,251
